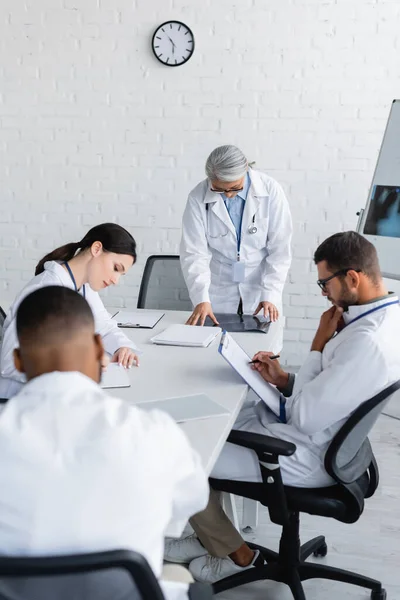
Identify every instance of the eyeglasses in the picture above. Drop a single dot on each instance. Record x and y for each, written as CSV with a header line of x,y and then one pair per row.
x,y
322,282
226,191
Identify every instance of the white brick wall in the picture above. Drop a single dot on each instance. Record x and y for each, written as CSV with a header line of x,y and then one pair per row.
x,y
92,128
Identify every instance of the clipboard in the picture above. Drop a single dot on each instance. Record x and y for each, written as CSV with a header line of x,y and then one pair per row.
x,y
239,361
138,319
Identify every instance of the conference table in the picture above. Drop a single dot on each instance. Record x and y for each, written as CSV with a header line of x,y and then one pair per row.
x,y
172,371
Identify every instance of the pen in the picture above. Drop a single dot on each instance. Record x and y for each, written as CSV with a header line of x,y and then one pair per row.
x,y
253,362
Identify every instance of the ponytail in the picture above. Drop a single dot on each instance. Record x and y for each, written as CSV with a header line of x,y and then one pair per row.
x,y
113,238
61,254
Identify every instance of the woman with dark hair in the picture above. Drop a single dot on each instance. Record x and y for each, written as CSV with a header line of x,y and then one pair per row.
x,y
105,253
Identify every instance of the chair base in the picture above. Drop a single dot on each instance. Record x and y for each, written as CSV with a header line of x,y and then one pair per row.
x,y
282,568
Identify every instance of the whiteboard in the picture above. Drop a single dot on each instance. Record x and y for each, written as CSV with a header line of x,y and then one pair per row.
x,y
380,220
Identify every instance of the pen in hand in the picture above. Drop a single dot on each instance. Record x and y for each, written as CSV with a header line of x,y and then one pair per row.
x,y
253,362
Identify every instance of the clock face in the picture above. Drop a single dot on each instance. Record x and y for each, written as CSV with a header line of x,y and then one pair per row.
x,y
173,43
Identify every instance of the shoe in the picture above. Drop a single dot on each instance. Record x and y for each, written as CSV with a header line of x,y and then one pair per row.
x,y
183,550
209,569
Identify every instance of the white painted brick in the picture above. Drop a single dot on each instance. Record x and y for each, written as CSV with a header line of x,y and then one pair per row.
x,y
296,323
296,288
93,128
309,300
295,311
307,336
315,313
291,335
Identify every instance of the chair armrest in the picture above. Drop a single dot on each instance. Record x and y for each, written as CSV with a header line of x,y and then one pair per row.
x,y
261,443
200,591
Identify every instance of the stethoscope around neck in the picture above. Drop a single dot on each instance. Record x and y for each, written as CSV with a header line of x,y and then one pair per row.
x,y
252,229
65,263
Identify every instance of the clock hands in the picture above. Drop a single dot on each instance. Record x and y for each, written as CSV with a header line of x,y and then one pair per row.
x,y
173,44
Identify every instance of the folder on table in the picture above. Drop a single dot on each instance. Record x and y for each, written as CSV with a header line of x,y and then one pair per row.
x,y
187,335
115,377
187,408
141,319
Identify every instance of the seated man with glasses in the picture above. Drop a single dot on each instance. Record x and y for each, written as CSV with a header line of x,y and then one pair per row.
x,y
354,355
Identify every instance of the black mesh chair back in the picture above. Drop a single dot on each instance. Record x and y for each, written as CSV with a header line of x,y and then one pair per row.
x,y
163,286
2,319
113,575
350,454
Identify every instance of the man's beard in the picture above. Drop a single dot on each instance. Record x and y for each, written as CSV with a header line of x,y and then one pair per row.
x,y
347,298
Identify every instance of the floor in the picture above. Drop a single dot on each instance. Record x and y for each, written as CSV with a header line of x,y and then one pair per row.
x,y
371,546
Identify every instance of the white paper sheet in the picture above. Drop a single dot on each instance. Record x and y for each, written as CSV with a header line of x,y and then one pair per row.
x,y
186,335
187,408
115,377
239,361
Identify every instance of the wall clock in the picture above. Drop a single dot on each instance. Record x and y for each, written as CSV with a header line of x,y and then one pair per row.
x,y
173,43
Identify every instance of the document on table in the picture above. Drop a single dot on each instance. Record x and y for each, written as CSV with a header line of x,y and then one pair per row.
x,y
141,319
239,361
115,377
186,335
187,408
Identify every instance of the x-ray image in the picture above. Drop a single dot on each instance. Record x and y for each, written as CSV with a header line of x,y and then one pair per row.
x,y
384,212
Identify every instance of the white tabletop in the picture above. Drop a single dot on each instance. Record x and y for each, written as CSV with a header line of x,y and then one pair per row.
x,y
167,371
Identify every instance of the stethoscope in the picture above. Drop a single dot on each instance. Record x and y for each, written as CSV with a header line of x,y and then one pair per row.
x,y
73,279
252,229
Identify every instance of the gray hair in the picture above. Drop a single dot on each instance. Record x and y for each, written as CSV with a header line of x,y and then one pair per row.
x,y
226,163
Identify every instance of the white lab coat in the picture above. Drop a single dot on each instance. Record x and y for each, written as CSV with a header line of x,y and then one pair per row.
x,y
113,338
209,246
82,471
354,366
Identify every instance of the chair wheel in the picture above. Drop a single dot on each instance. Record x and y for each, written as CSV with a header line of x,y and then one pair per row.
x,y
378,594
323,551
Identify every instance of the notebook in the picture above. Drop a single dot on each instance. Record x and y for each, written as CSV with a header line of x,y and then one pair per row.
x,y
187,408
115,377
145,319
187,335
239,361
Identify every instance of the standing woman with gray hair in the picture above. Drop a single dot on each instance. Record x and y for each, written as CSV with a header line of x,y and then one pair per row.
x,y
236,233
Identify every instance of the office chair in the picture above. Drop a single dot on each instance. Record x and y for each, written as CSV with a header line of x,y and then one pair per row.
x,y
163,286
2,319
350,461
144,583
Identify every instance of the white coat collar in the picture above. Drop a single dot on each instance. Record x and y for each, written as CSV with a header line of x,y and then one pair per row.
x,y
57,383
52,266
55,267
358,310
